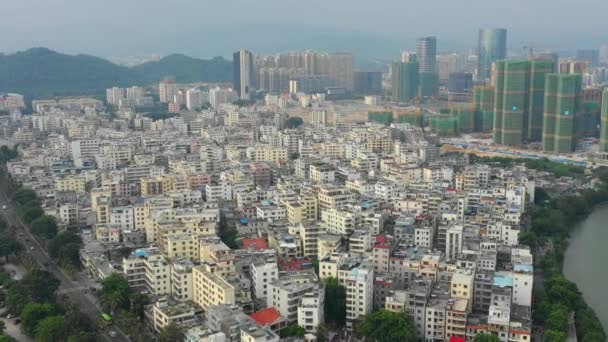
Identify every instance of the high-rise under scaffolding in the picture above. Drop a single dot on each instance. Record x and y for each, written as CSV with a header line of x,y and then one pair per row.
x,y
562,108
604,123
518,100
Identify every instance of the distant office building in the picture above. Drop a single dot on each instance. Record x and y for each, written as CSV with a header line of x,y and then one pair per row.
x,y
275,80
340,70
219,96
368,82
408,56
548,56
483,102
604,54
166,91
115,95
450,63
318,118
196,98
10,102
309,84
460,82
316,63
573,67
136,96
589,55
492,46
429,84
604,123
405,81
243,73
426,52
562,106
518,100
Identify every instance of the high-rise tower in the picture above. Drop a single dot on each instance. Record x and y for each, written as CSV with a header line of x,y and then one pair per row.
x,y
518,100
562,105
492,46
426,52
242,62
405,80
604,123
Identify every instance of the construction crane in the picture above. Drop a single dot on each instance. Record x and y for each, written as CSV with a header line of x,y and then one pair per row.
x,y
530,47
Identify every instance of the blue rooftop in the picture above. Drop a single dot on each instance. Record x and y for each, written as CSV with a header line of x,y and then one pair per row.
x,y
141,253
503,280
523,268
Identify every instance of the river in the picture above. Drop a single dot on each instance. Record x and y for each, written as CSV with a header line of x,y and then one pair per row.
x,y
585,261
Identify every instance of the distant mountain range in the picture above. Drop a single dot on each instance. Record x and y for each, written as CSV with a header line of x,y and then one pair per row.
x,y
43,73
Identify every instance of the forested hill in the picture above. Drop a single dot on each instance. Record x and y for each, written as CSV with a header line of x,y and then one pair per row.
x,y
40,72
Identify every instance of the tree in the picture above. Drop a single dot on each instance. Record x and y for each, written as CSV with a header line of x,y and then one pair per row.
x,y
170,333
386,326
321,333
292,330
32,213
115,293
17,298
137,303
558,318
32,314
131,325
294,156
44,227
83,336
65,248
22,196
528,239
40,286
335,302
51,329
9,246
486,337
2,327
294,122
6,338
554,336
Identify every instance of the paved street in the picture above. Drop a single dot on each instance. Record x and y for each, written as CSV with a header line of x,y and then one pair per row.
x,y
72,289
15,331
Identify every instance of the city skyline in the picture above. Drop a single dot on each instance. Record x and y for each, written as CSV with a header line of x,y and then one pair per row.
x,y
207,30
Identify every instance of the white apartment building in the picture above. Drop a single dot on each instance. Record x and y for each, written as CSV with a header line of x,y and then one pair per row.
x,y
357,276
262,273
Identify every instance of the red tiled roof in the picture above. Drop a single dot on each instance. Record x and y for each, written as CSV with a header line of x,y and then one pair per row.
x,y
258,243
266,316
295,265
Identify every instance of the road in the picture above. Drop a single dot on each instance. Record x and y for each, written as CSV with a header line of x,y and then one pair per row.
x,y
72,289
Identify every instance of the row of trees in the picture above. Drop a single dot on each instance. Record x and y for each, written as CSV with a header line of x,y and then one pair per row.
x,y
63,247
44,315
543,164
551,222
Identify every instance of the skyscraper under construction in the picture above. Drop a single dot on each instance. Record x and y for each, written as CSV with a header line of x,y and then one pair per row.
x,y
562,106
405,80
518,100
604,123
483,101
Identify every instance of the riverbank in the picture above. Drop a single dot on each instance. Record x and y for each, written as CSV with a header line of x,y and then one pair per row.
x,y
558,298
585,261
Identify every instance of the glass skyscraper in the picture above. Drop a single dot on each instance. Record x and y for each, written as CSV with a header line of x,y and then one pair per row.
x,y
492,47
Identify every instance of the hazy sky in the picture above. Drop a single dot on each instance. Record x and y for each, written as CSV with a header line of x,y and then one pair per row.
x,y
206,28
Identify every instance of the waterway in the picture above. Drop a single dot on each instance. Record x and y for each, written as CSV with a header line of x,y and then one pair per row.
x,y
586,261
